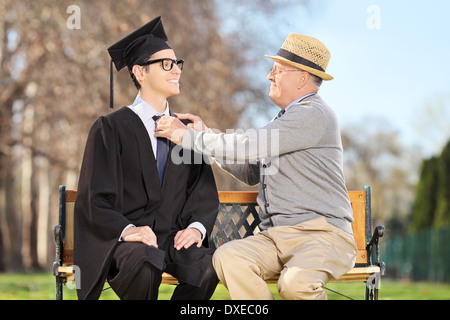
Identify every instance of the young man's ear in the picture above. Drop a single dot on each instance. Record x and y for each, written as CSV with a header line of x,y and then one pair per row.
x,y
138,72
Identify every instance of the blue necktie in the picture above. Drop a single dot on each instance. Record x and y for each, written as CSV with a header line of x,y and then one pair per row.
x,y
282,111
162,150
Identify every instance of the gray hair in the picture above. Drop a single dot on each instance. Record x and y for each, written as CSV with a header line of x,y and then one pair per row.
x,y
316,80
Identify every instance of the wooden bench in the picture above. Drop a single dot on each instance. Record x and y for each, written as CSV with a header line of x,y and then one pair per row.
x,y
238,218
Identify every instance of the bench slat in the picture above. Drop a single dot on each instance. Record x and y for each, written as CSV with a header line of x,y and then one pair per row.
x,y
354,275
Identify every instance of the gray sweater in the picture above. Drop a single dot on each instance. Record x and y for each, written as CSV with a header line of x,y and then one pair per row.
x,y
297,160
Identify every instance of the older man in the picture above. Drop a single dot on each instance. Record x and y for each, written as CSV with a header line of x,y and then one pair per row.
x,y
297,159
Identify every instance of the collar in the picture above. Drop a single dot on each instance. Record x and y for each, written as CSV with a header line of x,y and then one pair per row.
x,y
146,111
298,100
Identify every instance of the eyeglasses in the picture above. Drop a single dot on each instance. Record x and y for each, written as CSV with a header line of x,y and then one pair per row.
x,y
274,72
166,63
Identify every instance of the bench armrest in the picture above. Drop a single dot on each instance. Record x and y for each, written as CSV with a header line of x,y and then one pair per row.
x,y
374,242
377,233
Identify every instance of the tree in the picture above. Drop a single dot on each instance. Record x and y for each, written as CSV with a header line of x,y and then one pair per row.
x,y
54,82
431,123
432,200
426,193
442,214
374,155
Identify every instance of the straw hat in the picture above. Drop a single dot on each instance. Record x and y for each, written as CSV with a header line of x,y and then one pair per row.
x,y
305,53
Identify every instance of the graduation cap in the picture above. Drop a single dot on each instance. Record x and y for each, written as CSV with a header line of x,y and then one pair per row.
x,y
142,43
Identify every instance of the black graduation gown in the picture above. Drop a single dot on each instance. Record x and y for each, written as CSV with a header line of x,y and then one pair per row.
x,y
119,185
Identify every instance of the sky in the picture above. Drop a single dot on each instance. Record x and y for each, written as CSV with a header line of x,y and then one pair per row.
x,y
389,60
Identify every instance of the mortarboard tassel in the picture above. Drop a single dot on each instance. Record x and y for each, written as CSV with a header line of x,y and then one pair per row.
x,y
111,86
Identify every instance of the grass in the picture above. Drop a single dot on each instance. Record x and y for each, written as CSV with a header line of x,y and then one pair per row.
x,y
41,286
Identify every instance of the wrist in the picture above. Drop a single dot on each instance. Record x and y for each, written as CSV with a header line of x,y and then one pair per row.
x,y
129,229
177,136
200,235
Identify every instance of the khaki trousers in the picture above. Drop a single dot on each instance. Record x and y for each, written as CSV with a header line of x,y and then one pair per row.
x,y
305,256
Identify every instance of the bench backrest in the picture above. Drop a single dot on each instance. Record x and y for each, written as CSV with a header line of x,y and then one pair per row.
x,y
237,218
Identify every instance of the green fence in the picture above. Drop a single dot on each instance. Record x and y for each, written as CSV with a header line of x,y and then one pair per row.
x,y
422,256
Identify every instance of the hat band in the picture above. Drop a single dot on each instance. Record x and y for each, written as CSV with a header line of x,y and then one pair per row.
x,y
297,59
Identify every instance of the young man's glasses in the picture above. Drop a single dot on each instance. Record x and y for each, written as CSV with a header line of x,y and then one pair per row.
x,y
166,63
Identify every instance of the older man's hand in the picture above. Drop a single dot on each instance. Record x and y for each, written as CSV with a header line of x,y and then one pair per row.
x,y
196,122
170,128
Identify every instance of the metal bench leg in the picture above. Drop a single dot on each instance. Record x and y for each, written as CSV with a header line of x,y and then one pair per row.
x,y
59,282
372,287
59,289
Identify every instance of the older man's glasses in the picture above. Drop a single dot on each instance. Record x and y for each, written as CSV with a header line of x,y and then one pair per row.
x,y
166,63
274,72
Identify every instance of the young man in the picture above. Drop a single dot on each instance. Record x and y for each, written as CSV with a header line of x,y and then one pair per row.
x,y
297,160
137,213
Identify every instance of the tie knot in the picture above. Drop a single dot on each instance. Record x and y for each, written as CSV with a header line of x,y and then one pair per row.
x,y
280,114
156,117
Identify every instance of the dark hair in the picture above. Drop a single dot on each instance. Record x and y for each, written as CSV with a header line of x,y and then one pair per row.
x,y
130,69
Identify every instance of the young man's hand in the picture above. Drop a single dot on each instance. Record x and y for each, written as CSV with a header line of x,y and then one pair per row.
x,y
187,237
140,234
